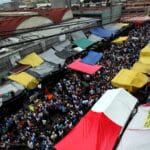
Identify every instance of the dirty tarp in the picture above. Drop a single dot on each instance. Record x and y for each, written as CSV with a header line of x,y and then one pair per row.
x,y
51,57
78,35
62,45
42,70
95,38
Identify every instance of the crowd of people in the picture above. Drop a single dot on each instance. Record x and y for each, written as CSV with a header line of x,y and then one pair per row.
x,y
43,121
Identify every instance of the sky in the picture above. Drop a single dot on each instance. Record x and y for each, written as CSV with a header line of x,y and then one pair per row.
x,y
4,1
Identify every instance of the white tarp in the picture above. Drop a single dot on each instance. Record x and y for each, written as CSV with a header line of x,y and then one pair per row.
x,y
114,101
78,35
62,45
50,56
42,70
95,38
9,87
137,134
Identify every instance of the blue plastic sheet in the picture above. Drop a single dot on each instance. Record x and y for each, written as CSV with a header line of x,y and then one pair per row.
x,y
104,33
92,58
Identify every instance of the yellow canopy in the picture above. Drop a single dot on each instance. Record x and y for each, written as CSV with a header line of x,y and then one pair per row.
x,y
120,39
140,67
123,24
145,51
129,79
145,59
32,59
25,79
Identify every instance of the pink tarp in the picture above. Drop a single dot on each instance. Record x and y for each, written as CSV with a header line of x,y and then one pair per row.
x,y
80,66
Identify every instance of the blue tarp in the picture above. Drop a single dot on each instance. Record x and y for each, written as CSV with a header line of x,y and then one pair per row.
x,y
92,58
104,33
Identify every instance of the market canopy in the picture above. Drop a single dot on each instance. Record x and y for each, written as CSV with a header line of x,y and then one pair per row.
x,y
78,35
32,59
145,51
92,58
130,80
120,39
24,79
102,32
116,26
140,67
137,134
64,54
85,68
83,43
51,57
101,126
95,38
6,89
42,70
62,45
144,59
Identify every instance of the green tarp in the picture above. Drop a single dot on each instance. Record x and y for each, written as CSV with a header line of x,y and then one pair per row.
x,y
83,43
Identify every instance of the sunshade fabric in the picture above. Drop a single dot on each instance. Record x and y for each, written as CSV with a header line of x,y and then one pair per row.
x,y
100,127
83,43
24,79
104,33
136,136
50,56
114,27
42,70
32,59
92,58
95,38
145,59
129,79
78,35
79,66
145,51
65,53
9,87
120,39
62,45
140,67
